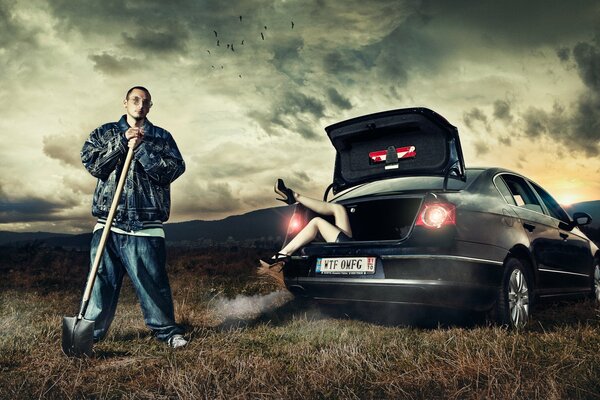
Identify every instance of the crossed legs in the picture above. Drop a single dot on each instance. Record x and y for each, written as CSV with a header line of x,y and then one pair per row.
x,y
318,225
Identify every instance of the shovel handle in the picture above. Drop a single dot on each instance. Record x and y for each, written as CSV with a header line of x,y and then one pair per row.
x,y
105,232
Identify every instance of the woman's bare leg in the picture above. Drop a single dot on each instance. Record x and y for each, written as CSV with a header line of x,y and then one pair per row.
x,y
319,225
309,233
322,207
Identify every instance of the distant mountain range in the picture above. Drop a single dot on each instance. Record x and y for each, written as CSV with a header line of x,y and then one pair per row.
x,y
261,228
7,237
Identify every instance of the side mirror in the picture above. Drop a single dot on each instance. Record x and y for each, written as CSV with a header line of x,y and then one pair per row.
x,y
581,218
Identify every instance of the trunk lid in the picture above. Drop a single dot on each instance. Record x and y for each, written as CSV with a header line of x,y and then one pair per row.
x,y
403,142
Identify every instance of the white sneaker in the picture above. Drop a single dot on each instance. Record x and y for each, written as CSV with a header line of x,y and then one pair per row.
x,y
176,341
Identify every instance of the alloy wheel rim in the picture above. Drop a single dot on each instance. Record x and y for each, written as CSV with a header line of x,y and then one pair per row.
x,y
518,299
597,282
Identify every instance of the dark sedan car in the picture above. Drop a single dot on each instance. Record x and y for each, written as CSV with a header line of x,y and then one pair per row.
x,y
429,232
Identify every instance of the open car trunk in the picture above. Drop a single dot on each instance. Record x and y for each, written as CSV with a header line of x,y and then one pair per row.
x,y
383,219
404,142
373,219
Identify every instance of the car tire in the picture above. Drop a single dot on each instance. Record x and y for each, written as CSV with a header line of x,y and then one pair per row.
x,y
515,295
596,281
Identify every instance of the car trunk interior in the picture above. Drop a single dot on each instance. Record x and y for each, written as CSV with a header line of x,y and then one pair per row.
x,y
382,219
375,219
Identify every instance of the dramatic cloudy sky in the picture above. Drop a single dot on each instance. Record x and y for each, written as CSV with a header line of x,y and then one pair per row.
x,y
521,81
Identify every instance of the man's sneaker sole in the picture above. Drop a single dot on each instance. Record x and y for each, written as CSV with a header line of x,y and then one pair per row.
x,y
177,341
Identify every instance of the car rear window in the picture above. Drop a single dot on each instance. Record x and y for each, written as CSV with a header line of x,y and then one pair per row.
x,y
508,196
552,205
408,184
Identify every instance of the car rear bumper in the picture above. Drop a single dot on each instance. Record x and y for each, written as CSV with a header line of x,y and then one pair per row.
x,y
443,281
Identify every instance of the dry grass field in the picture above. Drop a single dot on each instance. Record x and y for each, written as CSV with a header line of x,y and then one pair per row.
x,y
249,339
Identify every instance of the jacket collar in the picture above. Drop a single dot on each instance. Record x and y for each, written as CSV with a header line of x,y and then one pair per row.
x,y
123,125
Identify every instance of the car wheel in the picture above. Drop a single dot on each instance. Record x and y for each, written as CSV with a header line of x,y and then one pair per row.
x,y
514,296
596,281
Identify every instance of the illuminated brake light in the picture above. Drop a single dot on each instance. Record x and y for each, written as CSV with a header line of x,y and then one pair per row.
x,y
436,215
296,224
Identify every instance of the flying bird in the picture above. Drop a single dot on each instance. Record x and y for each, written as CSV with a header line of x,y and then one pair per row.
x,y
215,33
262,36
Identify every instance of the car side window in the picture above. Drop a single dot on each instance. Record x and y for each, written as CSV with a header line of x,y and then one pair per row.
x,y
521,193
504,190
552,205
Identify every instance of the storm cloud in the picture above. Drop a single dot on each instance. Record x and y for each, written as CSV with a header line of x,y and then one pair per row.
x,y
14,34
502,110
112,65
246,110
475,116
170,40
511,22
31,209
576,125
295,113
338,100
64,148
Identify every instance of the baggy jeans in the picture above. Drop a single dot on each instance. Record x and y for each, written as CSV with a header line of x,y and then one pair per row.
x,y
144,260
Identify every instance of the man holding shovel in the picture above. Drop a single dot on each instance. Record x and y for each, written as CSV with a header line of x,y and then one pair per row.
x,y
135,244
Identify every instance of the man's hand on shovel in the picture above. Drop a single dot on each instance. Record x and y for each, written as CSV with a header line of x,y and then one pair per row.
x,y
134,136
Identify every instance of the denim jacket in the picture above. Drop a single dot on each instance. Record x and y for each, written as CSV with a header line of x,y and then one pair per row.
x,y
156,162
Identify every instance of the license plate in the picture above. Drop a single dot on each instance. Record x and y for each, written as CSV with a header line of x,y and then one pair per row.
x,y
346,265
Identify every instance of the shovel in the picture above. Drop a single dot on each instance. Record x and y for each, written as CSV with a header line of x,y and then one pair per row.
x,y
78,332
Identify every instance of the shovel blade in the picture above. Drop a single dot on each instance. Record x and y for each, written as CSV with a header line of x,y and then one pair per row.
x,y
77,336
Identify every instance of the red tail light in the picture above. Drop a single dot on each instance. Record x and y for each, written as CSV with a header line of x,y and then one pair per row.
x,y
295,225
436,215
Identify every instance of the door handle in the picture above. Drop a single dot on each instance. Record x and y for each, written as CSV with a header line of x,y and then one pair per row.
x,y
529,227
564,236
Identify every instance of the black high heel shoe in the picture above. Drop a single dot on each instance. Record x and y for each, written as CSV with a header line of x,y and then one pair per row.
x,y
276,259
285,192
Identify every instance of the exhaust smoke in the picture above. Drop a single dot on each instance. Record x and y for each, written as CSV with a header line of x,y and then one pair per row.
x,y
244,307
